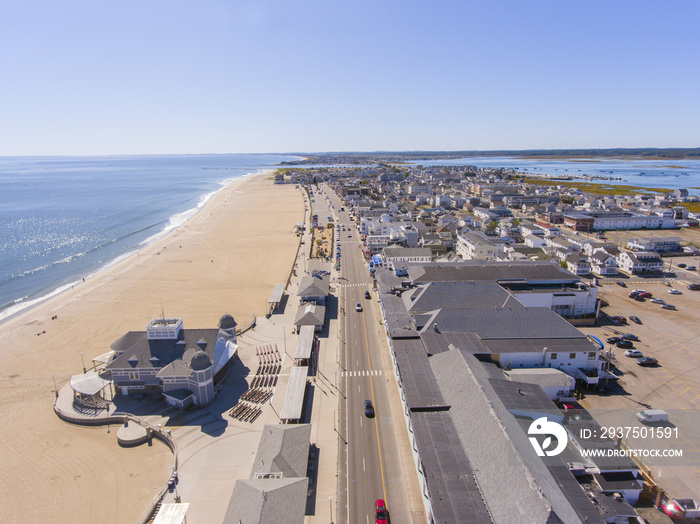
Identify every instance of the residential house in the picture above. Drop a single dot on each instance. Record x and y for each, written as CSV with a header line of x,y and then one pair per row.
x,y
640,262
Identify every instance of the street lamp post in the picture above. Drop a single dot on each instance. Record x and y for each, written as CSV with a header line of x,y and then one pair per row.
x,y
330,503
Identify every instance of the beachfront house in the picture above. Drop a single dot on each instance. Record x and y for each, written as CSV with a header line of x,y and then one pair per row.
x,y
182,365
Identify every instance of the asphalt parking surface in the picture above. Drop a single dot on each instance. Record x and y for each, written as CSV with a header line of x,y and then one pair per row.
x,y
672,337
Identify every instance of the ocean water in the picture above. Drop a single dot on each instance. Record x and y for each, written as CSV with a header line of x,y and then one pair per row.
x,y
65,218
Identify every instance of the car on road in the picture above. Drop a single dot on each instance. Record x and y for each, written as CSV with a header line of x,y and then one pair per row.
x,y
624,344
657,301
369,409
381,515
635,319
613,340
629,336
367,294
675,291
358,307
633,353
647,361
620,283
668,306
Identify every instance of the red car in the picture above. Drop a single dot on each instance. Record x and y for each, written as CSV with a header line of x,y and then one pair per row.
x,y
381,515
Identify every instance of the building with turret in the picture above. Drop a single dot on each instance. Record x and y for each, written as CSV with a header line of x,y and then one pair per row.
x,y
180,364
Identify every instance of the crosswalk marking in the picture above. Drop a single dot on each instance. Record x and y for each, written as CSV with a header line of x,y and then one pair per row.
x,y
365,373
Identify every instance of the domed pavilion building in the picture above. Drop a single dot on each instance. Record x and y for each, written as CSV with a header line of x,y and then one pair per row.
x,y
166,359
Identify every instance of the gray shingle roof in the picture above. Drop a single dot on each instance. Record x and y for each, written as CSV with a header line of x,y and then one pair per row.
x,y
310,315
448,295
135,345
268,501
314,286
283,449
495,443
483,270
510,322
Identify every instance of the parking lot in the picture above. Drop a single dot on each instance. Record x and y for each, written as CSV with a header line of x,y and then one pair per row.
x,y
673,338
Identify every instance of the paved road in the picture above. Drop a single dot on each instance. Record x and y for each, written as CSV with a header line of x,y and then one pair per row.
x,y
369,464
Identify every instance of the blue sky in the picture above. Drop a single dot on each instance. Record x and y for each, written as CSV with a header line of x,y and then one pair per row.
x,y
127,77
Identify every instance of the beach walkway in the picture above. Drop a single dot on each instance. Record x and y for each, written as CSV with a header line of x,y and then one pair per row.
x,y
212,449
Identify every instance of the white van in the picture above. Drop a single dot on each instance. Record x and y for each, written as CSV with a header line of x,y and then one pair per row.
x,y
652,415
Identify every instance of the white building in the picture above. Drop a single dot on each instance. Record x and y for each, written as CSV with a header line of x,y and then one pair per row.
x,y
476,246
394,256
640,262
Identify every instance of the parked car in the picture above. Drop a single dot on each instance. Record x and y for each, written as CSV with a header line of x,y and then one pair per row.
x,y
694,287
657,301
624,344
633,353
681,265
668,306
639,298
692,268
647,361
629,336
367,294
381,515
635,319
620,319
369,409
613,340
620,283
675,291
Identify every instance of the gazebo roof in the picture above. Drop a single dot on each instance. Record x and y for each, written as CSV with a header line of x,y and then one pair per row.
x,y
89,383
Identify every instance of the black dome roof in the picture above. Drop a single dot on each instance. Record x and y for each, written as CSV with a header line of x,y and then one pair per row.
x,y
200,361
226,322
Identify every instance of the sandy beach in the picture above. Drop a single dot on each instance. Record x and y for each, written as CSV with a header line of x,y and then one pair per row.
x,y
226,259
